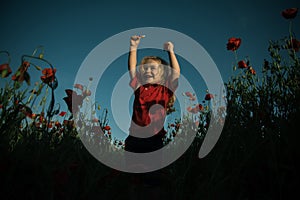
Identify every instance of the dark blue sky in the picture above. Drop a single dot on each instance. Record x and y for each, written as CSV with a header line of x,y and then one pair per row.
x,y
69,30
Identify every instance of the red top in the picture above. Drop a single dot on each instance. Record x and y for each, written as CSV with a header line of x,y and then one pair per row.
x,y
149,107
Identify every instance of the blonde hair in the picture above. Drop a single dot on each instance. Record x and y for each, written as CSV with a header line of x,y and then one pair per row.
x,y
163,66
164,70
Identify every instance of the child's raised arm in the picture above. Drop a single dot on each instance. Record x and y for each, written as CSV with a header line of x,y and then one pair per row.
x,y
169,46
132,58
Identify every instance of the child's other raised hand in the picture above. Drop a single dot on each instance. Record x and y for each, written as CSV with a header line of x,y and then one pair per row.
x,y
169,46
135,40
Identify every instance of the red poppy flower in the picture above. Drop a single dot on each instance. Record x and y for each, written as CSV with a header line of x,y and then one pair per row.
x,y
193,98
294,44
196,109
73,100
200,107
22,73
189,109
233,43
242,64
78,86
5,70
289,13
57,124
31,115
50,125
208,96
49,75
95,120
252,71
189,94
106,128
62,113
41,118
69,123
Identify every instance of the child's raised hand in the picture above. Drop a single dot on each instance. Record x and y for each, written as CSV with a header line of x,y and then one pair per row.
x,y
169,46
135,40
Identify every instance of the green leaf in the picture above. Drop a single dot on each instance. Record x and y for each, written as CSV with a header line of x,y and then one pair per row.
x,y
4,73
18,73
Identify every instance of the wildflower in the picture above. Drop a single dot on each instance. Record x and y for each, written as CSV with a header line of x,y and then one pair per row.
x,y
69,123
289,13
294,44
49,125
242,64
86,93
189,94
31,115
193,98
5,70
196,109
49,75
73,100
252,71
233,43
41,118
57,124
22,73
106,128
95,120
208,96
62,113
200,107
78,86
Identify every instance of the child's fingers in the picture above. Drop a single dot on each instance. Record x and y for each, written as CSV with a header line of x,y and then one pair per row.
x,y
137,37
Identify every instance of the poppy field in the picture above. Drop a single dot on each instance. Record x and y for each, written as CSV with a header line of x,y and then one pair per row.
x,y
256,156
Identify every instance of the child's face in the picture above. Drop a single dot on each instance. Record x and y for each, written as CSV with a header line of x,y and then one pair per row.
x,y
151,73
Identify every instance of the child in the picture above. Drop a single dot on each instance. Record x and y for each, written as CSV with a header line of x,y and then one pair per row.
x,y
154,83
